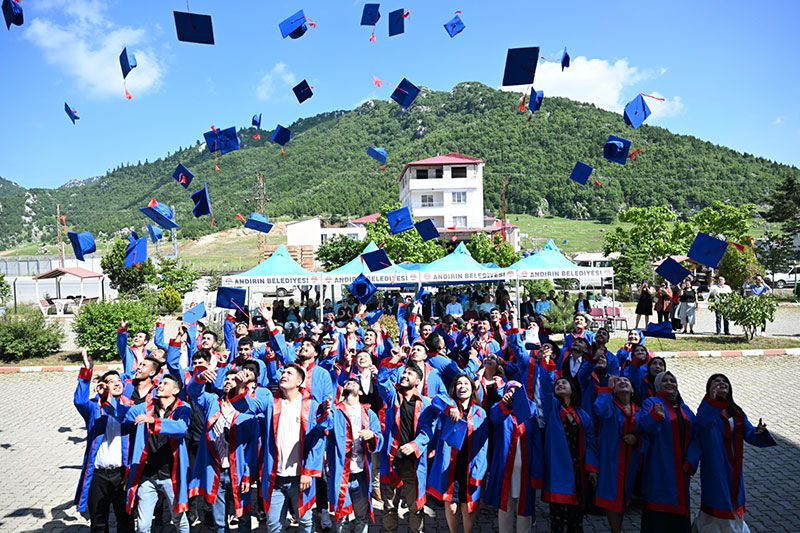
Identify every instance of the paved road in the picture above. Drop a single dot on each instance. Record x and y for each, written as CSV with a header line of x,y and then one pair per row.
x,y
42,443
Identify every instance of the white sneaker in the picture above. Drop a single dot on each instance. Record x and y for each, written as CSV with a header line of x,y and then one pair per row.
x,y
325,519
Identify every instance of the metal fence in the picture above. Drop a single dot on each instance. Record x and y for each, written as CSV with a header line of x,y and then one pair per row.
x,y
35,265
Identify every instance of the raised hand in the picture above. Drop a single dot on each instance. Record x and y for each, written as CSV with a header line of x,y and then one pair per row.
x,y
87,359
454,413
123,324
144,419
366,434
209,375
761,428
508,397
659,410
265,311
630,439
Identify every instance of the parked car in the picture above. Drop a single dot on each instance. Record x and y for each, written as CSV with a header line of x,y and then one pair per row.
x,y
779,280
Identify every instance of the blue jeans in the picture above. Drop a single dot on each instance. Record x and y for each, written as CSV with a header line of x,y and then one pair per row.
x,y
359,495
148,497
285,496
721,319
225,493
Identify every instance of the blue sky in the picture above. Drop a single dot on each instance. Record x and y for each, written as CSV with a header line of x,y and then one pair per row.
x,y
728,70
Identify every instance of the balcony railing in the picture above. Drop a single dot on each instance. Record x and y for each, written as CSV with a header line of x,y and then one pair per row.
x,y
423,205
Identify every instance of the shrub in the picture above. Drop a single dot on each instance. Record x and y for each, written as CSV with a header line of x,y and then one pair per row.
x,y
749,312
536,287
5,289
561,314
28,334
96,324
169,299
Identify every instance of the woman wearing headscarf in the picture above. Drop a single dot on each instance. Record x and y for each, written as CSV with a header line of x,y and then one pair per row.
x,y
722,428
665,485
635,336
642,371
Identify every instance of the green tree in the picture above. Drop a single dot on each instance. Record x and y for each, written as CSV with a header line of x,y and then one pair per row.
x,y
724,220
5,289
171,272
738,266
775,252
338,251
561,314
784,205
749,312
169,299
28,334
131,280
95,325
492,249
405,246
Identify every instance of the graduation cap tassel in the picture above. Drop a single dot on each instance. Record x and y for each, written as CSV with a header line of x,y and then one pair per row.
x,y
240,217
257,136
379,82
127,94
372,37
522,103
654,97
240,309
64,220
596,182
632,157
281,150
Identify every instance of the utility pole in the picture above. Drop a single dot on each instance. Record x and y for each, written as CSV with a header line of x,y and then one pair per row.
x,y
60,237
506,177
261,204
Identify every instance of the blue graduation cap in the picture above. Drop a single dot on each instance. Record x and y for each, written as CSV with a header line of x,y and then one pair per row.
x,y
661,330
454,433
427,229
202,203
155,233
707,250
133,236
295,26
377,260
521,66
537,97
82,243
182,175
127,61
371,14
378,154
405,93
195,313
193,28
71,113
616,149
373,316
564,60
222,141
397,20
159,213
231,298
302,91
136,252
12,12
362,289
258,222
400,219
672,271
581,173
281,135
454,26
521,405
636,111
257,121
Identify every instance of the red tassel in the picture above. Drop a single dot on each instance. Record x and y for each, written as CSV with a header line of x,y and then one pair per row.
x,y
653,97
530,117
183,179
240,217
152,203
257,136
64,220
522,103
127,94
214,129
596,182
281,150
311,23
380,245
212,220
457,12
632,157
406,14
384,168
375,80
372,40
738,246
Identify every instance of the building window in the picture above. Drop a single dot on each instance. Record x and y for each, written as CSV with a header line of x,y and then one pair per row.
x,y
460,222
323,237
426,200
458,172
460,197
422,173
439,173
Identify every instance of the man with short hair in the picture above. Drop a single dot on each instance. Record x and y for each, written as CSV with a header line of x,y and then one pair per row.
x,y
543,305
454,308
487,305
578,330
143,381
106,457
718,289
132,355
758,289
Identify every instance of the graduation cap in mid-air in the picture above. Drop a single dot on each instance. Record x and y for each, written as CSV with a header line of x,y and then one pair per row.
x,y
159,213
397,20
521,66
257,222
182,175
373,316
195,313
82,243
362,289
71,113
127,61
281,136
221,141
616,149
707,250
564,60
636,111
537,97
405,93
377,260
378,154
194,28
581,172
202,203
427,229
302,91
672,271
454,26
400,219
295,27
136,252
231,298
12,12
155,233
660,330
257,125
370,17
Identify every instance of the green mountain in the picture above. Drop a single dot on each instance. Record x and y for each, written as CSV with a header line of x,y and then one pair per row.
x,y
325,170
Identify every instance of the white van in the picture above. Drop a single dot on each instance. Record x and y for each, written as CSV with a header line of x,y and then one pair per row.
x,y
596,260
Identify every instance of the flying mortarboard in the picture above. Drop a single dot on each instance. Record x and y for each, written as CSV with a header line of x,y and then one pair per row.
x,y
302,91
581,173
12,12
370,17
202,203
707,250
362,289
672,271
231,298
422,293
616,149
222,141
397,19
454,26
400,219
427,229
182,175
295,26
377,260
521,405
128,62
378,154
257,125
195,313
564,60
155,233
82,243
71,113
281,136
159,213
133,236
636,112
194,28
537,97
660,330
257,222
373,316
136,252
521,66
405,93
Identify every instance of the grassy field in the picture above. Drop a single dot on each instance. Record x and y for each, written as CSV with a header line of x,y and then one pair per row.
x,y
711,342
581,235
227,251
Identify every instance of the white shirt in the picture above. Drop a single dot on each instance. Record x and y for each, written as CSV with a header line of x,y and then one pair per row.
x,y
224,421
486,307
454,309
604,300
575,365
716,290
354,413
109,454
288,438
516,473
366,381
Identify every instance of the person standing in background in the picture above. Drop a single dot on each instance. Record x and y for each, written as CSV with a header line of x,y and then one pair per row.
x,y
717,289
758,289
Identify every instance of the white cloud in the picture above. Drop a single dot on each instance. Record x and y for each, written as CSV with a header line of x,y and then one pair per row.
x,y
778,121
88,48
602,83
276,79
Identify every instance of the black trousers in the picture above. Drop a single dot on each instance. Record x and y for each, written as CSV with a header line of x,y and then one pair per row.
x,y
108,489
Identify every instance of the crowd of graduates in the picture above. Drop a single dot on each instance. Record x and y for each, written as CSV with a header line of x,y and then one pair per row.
x,y
486,412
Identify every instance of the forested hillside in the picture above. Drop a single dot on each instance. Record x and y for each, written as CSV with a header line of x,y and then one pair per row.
x,y
325,170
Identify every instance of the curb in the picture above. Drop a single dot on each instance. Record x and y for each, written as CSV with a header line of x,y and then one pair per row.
x,y
726,353
66,368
